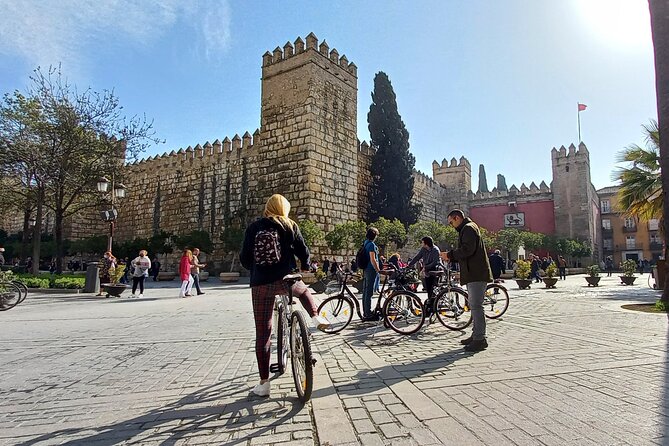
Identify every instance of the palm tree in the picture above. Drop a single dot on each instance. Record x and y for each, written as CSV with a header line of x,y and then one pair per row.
x,y
641,193
659,24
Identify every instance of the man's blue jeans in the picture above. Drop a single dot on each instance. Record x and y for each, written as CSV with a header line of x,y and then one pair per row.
x,y
370,276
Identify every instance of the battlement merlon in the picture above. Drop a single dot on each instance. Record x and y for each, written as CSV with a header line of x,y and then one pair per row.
x,y
572,153
289,58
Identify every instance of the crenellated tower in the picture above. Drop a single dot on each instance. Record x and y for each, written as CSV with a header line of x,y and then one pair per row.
x,y
308,124
456,178
574,197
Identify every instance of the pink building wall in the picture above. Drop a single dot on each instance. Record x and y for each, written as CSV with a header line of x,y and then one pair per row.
x,y
539,216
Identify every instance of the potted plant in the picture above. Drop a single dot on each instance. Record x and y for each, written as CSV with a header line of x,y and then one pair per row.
x,y
114,288
320,284
550,279
522,273
593,275
629,268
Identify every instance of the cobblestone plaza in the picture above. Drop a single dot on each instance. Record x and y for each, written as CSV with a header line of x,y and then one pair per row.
x,y
564,367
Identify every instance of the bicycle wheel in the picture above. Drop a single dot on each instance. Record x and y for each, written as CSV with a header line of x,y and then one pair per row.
x,y
338,310
452,309
10,295
24,289
403,312
495,301
300,357
282,335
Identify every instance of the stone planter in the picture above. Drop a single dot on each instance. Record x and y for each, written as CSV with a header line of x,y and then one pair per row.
x,y
166,276
229,277
204,276
319,286
308,278
523,284
114,289
593,281
550,282
627,280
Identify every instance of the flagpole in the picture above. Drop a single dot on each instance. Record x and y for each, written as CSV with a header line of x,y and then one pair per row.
x,y
578,114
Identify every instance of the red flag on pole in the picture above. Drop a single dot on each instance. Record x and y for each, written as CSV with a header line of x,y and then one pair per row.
x,y
581,107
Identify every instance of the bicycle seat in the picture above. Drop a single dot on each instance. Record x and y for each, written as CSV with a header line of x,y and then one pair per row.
x,y
292,278
386,272
438,273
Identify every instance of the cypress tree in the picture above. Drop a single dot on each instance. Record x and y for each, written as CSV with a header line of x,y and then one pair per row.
x,y
391,190
483,180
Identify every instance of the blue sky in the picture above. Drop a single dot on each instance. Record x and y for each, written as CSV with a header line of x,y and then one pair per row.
x,y
494,80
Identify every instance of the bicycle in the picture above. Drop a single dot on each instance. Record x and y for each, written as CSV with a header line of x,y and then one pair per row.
x,y
10,295
24,289
398,309
451,302
293,339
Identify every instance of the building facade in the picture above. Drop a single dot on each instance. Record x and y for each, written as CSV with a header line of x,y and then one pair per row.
x,y
625,237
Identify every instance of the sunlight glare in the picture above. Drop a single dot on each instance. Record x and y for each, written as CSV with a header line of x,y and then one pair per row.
x,y
619,23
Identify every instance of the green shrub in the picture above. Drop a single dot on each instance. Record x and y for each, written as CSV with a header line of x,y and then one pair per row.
x,y
551,270
593,270
629,268
662,306
523,269
34,282
69,283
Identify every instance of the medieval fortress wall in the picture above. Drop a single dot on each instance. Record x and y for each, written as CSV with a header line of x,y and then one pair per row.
x,y
306,149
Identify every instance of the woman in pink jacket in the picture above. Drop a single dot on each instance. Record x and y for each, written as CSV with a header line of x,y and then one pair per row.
x,y
184,272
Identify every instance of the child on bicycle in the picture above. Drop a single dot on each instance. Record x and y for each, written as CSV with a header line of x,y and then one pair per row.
x,y
270,246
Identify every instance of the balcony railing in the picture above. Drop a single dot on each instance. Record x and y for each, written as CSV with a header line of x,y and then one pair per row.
x,y
629,228
607,232
655,246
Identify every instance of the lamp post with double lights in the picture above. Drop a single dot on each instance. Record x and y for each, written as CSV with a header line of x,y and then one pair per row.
x,y
117,192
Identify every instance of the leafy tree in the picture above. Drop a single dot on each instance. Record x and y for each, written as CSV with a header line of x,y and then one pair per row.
x,y
311,233
443,236
391,191
640,192
489,238
195,239
346,236
161,243
509,240
582,249
390,231
232,238
79,136
659,11
532,240
96,244
565,246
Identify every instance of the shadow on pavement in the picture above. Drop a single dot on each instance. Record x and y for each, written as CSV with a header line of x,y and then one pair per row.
x,y
235,416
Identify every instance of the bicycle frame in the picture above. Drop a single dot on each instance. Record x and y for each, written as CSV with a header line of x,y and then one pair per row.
x,y
345,291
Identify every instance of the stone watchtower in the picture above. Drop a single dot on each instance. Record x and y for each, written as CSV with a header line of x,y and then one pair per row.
x,y
575,199
309,131
456,179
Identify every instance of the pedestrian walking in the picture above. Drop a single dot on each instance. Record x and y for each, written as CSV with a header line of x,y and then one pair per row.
x,y
474,272
140,266
269,250
107,265
195,270
562,268
184,273
155,268
609,266
496,264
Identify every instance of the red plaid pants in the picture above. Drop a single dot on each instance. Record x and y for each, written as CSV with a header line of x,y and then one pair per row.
x,y
263,309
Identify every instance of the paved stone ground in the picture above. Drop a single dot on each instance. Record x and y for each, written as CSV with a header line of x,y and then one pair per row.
x,y
564,367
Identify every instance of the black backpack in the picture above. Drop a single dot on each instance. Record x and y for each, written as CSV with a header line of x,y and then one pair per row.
x,y
362,257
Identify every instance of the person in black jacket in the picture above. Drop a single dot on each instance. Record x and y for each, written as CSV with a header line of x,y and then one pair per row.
x,y
269,250
496,264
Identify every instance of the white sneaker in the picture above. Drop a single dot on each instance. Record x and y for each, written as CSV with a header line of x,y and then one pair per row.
x,y
141,295
320,322
261,389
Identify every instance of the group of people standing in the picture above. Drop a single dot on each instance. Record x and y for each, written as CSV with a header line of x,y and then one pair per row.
x,y
141,267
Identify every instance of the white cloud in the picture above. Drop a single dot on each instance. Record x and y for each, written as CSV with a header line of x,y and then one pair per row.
x,y
48,32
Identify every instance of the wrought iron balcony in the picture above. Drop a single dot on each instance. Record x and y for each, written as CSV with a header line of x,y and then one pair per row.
x,y
629,229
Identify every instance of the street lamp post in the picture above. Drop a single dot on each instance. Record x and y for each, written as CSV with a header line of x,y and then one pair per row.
x,y
117,191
